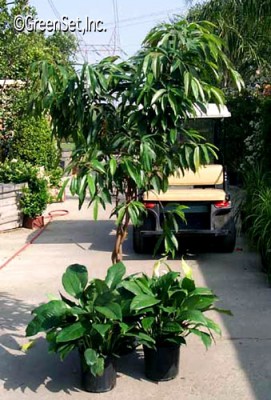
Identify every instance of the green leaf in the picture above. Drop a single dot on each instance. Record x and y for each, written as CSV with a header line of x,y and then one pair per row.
x,y
132,287
205,337
218,94
98,166
100,286
34,327
147,323
187,269
113,166
173,103
67,301
120,214
222,311
179,340
158,94
237,79
172,327
132,214
144,337
213,326
98,368
195,88
173,135
186,82
133,172
111,311
96,208
62,190
75,279
102,329
65,350
48,316
199,302
95,362
71,332
115,274
193,317
196,158
156,65
124,328
143,301
188,284
202,292
91,185
146,63
91,357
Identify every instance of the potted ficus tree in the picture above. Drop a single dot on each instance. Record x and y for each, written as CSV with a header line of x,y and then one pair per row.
x,y
168,308
93,323
126,119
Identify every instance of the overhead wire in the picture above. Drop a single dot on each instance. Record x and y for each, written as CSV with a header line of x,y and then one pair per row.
x,y
78,34
143,16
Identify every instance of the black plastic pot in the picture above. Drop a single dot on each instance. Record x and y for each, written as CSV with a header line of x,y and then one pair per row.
x,y
99,384
162,364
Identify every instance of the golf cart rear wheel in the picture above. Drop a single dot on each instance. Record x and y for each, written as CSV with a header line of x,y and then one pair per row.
x,y
226,244
138,241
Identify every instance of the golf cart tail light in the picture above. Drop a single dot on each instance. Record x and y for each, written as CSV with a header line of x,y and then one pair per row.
x,y
222,204
149,204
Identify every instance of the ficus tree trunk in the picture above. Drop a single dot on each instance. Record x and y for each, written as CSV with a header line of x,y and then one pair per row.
x,y
122,228
121,235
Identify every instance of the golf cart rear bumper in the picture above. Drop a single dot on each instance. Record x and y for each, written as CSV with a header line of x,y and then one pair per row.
x,y
190,233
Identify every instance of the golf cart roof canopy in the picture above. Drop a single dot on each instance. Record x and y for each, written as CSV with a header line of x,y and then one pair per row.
x,y
212,111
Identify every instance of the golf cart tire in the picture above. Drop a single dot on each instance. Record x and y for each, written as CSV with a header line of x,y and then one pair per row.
x,y
226,244
139,244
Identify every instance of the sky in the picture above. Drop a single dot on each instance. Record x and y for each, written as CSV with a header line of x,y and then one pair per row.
x,y
136,18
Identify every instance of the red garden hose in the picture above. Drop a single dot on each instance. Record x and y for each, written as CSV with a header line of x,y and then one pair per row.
x,y
52,214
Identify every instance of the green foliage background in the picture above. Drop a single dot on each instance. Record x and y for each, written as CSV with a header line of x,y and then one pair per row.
x,y
33,142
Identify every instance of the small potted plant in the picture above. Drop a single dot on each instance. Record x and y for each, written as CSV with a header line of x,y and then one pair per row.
x,y
33,202
92,323
168,308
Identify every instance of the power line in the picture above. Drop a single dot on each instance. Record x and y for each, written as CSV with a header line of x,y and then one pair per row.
x,y
144,16
78,35
55,11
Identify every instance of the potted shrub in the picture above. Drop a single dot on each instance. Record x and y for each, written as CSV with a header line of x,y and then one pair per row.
x,y
34,201
92,323
168,308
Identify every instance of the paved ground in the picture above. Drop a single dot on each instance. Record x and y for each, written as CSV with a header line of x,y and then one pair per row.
x,y
238,367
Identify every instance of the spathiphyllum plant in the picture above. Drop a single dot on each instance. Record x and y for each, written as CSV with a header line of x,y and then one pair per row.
x,y
92,322
169,307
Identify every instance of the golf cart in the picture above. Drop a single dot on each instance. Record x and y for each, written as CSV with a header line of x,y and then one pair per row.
x,y
205,193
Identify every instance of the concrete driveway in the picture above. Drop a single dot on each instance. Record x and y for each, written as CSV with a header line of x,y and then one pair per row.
x,y
237,367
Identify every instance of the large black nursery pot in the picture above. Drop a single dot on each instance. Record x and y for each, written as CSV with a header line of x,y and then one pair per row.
x,y
162,363
99,384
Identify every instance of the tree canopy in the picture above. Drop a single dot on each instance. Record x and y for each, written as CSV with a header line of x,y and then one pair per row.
x,y
245,27
18,50
127,118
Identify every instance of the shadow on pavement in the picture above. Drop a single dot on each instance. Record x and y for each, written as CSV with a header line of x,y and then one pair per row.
x,y
132,365
100,236
92,235
14,313
237,280
20,371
